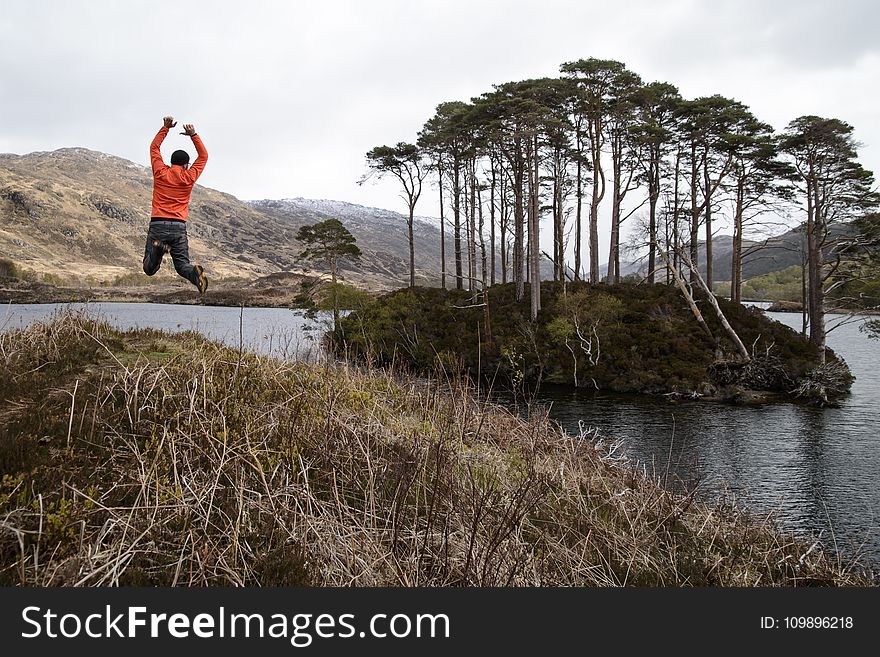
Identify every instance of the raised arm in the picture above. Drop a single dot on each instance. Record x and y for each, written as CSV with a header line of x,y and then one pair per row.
x,y
155,154
196,168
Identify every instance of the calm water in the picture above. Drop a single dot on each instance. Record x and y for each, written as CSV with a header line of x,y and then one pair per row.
x,y
818,470
275,331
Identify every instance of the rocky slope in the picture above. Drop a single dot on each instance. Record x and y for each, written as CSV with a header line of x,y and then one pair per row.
x,y
81,216
381,235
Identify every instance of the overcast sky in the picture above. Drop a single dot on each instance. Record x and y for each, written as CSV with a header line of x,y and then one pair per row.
x,y
288,96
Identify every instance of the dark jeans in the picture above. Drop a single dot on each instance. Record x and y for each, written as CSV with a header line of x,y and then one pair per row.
x,y
170,235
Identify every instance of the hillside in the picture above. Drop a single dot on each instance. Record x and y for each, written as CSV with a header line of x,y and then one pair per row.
x,y
381,234
759,257
81,216
79,213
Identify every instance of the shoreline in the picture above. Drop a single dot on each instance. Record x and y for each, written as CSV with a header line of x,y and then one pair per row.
x,y
279,297
24,292
644,340
231,296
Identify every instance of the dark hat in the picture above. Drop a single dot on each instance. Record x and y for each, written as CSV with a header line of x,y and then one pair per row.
x,y
180,157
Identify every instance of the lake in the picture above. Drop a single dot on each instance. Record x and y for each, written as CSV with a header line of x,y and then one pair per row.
x,y
816,470
272,331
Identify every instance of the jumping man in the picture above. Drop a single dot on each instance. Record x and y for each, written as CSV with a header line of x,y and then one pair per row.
x,y
172,186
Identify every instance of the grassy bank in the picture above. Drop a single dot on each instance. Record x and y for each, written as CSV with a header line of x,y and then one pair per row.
x,y
145,458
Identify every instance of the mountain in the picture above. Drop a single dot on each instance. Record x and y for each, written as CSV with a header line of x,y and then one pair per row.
x,y
381,235
82,215
759,257
766,256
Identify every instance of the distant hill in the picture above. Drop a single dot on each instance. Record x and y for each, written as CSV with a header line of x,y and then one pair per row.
x,y
381,234
80,215
759,257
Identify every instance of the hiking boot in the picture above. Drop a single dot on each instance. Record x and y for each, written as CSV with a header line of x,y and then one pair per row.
x,y
201,279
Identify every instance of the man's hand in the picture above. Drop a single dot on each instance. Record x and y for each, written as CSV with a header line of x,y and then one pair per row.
x,y
188,130
169,121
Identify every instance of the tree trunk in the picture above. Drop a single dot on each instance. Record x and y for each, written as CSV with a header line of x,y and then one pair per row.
x,y
534,247
412,250
504,218
695,214
815,230
519,211
740,347
333,297
442,230
736,255
472,226
466,264
706,181
679,281
578,226
676,219
616,199
613,275
653,196
598,194
492,223
560,223
456,214
556,232
667,236
805,313
483,261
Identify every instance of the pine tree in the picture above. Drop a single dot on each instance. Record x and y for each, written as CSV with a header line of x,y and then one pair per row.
x,y
327,242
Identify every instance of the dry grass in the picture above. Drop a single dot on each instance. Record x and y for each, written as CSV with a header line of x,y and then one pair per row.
x,y
145,458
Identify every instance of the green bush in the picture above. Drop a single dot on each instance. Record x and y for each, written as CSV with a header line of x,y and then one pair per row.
x,y
8,269
53,279
783,285
133,279
348,297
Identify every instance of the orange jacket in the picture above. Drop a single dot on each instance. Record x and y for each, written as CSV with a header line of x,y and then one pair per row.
x,y
172,185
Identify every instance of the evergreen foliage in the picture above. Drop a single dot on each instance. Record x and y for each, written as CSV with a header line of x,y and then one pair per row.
x,y
622,338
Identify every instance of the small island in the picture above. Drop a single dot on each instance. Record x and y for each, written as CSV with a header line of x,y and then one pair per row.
x,y
616,338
